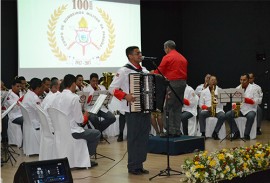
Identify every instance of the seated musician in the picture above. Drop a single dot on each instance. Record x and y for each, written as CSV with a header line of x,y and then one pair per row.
x,y
202,86
47,102
189,108
68,102
211,107
79,83
23,86
31,99
247,109
46,83
104,118
15,115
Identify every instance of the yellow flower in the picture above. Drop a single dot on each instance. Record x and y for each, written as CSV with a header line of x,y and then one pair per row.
x,y
247,156
221,156
196,162
213,163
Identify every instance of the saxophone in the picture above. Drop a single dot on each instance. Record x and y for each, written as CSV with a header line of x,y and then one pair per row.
x,y
108,77
213,102
237,110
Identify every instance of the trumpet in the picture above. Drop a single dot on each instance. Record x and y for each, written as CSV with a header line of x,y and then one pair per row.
x,y
85,84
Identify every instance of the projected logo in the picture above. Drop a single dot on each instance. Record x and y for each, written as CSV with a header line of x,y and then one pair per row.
x,y
81,34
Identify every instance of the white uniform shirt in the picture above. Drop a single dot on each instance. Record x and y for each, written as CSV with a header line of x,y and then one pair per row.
x,y
259,91
121,80
47,103
193,100
22,93
30,101
205,99
251,93
199,89
91,91
68,103
16,111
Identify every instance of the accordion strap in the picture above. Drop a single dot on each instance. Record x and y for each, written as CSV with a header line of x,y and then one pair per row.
x,y
132,68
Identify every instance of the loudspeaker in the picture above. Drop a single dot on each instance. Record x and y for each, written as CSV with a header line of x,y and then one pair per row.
x,y
56,170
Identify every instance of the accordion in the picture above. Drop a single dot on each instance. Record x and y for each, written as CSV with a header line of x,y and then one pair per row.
x,y
149,90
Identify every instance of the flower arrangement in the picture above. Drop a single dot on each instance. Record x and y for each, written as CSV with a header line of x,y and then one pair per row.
x,y
226,163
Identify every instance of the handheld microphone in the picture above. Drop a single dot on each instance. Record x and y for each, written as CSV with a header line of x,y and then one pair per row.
x,y
149,58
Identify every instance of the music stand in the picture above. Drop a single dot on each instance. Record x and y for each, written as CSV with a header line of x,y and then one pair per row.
x,y
230,95
168,170
99,98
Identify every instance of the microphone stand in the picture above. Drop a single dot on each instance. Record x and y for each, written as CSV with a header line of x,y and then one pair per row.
x,y
168,170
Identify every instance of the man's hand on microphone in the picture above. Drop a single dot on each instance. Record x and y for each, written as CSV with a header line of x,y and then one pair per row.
x,y
130,98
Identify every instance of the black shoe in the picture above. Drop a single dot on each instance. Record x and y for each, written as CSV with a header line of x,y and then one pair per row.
x,y
120,138
93,163
215,136
144,171
135,172
236,135
259,132
203,134
246,137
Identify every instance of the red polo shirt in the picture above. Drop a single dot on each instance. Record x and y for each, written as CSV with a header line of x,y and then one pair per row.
x,y
173,66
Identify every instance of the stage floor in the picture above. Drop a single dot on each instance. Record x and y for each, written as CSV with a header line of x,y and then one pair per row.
x,y
118,173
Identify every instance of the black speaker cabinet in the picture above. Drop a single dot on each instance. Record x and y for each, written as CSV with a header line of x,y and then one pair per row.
x,y
49,171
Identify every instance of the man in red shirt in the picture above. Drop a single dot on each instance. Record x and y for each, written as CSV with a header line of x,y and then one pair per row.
x,y
174,67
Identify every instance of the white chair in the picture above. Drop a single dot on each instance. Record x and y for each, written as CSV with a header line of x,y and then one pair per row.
x,y
31,136
47,145
192,126
14,131
210,127
241,124
15,135
66,146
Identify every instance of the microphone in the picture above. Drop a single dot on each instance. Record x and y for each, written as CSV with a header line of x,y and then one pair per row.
x,y
149,58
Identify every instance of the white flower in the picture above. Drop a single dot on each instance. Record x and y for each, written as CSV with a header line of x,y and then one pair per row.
x,y
188,174
221,175
197,175
206,174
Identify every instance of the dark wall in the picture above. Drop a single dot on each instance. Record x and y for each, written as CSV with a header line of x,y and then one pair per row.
x,y
9,42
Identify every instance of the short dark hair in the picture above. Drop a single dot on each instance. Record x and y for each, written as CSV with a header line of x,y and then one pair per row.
x,y
78,76
45,79
69,79
16,81
54,82
245,74
93,75
53,78
21,78
35,83
130,50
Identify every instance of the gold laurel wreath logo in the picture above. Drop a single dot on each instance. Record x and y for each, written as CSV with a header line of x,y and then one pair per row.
x,y
110,27
51,33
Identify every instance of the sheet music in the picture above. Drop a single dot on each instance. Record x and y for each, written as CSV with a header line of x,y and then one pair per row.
x,y
96,95
98,103
237,94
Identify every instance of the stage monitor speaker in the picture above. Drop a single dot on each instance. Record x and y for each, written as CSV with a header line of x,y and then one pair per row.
x,y
49,171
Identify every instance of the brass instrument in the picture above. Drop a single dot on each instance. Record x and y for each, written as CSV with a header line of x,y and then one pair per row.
x,y
213,102
108,77
85,84
237,109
